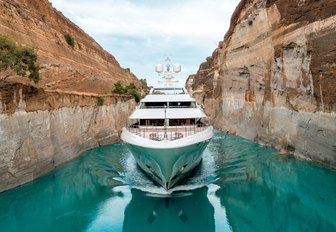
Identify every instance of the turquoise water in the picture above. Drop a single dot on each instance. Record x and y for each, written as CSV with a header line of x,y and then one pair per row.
x,y
240,186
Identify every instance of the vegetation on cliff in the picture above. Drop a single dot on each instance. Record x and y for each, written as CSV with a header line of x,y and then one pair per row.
x,y
144,83
80,66
69,39
131,89
20,59
100,101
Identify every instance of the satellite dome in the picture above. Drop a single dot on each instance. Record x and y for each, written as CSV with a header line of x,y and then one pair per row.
x,y
159,68
177,68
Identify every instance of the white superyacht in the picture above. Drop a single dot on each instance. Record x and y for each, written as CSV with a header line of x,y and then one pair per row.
x,y
169,133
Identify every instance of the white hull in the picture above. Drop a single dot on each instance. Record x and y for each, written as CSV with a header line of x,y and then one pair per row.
x,y
167,162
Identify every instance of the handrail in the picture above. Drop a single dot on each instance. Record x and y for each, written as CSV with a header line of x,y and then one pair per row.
x,y
173,132
160,107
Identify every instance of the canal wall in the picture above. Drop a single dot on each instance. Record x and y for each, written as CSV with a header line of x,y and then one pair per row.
x,y
71,108
272,78
40,131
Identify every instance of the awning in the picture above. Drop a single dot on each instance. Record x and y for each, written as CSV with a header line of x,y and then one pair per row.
x,y
173,113
168,98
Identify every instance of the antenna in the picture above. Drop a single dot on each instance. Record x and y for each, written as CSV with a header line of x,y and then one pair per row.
x,y
168,70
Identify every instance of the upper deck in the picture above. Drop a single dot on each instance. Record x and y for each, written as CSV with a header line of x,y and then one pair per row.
x,y
167,98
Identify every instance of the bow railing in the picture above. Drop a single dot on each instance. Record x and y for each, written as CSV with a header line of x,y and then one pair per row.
x,y
159,133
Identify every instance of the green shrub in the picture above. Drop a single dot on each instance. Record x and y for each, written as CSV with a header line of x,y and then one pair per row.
x,y
79,46
135,94
118,88
100,101
131,89
69,39
209,58
130,86
20,59
144,83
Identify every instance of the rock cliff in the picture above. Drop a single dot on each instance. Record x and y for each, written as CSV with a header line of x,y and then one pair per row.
x,y
86,67
47,129
273,77
71,109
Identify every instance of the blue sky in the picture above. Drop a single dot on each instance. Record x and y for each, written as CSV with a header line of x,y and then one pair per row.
x,y
142,33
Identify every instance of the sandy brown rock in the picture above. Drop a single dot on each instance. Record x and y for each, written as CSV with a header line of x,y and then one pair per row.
x,y
272,78
16,96
85,68
47,124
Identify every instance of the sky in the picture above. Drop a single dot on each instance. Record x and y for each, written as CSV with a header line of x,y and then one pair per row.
x,y
142,33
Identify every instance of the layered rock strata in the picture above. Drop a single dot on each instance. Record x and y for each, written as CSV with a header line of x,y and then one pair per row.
x,y
41,130
273,77
85,67
71,109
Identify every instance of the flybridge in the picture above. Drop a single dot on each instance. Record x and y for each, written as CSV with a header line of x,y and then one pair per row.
x,y
168,100
167,91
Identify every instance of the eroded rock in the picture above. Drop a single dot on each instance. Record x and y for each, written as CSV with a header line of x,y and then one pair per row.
x,y
274,75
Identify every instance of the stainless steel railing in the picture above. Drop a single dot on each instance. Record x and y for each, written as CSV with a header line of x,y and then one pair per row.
x,y
159,133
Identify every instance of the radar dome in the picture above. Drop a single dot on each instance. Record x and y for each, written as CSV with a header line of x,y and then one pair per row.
x,y
159,68
177,68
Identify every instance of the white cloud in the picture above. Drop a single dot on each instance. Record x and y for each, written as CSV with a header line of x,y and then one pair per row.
x,y
188,30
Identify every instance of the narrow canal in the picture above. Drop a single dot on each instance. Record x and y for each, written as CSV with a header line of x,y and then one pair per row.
x,y
240,186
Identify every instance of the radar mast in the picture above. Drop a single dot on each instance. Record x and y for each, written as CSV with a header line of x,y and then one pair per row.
x,y
168,70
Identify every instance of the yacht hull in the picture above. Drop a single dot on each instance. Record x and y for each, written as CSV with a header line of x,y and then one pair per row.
x,y
167,162
169,166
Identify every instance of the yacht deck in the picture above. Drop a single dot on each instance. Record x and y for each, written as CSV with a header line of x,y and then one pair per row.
x,y
172,132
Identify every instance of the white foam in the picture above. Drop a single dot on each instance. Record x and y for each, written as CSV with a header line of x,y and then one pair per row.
x,y
133,176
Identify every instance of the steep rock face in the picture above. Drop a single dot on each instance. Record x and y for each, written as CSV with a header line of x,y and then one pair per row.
x,y
71,109
41,130
85,68
272,78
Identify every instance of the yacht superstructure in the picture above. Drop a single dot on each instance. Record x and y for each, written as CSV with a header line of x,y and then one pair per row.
x,y
168,134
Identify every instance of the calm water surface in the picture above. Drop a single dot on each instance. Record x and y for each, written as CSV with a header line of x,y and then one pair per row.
x,y
240,186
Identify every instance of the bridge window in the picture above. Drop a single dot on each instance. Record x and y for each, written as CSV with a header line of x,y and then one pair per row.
x,y
180,104
155,104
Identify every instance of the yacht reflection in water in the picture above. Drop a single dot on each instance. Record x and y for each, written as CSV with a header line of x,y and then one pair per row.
x,y
185,211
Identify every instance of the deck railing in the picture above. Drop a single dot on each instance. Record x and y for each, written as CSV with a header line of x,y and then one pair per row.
x,y
159,133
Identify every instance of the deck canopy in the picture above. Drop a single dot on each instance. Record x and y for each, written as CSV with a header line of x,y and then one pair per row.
x,y
173,113
168,91
168,98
